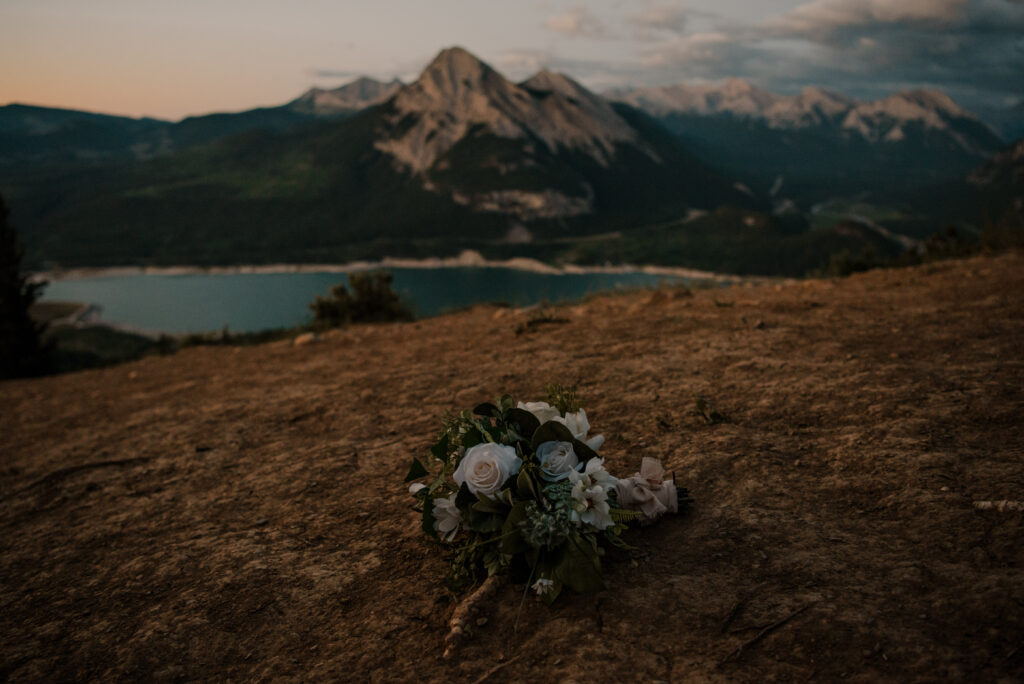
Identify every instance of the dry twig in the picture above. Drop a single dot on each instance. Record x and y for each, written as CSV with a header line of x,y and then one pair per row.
x,y
494,670
762,634
464,613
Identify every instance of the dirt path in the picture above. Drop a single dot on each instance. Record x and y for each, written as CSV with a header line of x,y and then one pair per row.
x,y
239,513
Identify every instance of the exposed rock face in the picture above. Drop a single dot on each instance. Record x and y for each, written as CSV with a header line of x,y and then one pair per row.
x,y
1007,167
457,94
361,93
883,120
528,206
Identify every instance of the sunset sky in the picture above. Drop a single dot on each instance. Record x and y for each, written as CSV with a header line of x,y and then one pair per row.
x,y
171,59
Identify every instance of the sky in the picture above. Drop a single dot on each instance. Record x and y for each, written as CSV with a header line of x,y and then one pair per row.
x,y
172,59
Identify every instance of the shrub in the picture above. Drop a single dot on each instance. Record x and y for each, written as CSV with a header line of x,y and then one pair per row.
x,y
372,300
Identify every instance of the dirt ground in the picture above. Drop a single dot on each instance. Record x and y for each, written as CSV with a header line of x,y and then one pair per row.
x,y
239,513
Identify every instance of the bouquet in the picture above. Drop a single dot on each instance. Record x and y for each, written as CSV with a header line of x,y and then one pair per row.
x,y
521,490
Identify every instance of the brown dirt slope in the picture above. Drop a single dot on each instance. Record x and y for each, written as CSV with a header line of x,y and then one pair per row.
x,y
239,513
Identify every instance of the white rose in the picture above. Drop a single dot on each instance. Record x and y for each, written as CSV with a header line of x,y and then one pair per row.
x,y
486,467
579,426
542,410
557,460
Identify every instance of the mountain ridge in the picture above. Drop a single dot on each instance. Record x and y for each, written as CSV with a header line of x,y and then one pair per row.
x,y
739,98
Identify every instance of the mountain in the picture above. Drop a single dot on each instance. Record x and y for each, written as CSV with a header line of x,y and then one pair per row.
x,y
543,149
818,142
1001,184
359,94
461,158
33,136
1008,121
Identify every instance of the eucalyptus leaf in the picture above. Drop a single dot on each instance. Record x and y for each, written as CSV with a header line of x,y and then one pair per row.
x,y
428,519
416,471
551,432
472,438
583,452
487,409
441,449
524,422
465,498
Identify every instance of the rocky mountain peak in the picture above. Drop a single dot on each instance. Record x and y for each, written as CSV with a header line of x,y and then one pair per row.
x,y
454,71
457,93
934,100
552,82
358,94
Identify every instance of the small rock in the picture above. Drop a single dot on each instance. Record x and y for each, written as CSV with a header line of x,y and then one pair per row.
x,y
304,338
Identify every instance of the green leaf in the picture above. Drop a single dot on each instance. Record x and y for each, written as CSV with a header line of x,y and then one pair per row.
x,y
472,438
583,452
416,471
524,422
580,568
441,449
428,519
551,432
484,522
525,485
487,409
506,402
512,540
486,505
464,498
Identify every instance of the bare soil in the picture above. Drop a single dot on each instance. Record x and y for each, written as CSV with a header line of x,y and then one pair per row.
x,y
239,513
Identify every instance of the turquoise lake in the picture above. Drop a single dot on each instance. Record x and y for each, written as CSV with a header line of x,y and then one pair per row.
x,y
247,302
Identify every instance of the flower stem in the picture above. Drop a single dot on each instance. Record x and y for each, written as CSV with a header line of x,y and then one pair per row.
x,y
533,569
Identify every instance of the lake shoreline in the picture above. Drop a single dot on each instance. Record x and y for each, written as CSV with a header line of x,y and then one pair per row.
x,y
467,259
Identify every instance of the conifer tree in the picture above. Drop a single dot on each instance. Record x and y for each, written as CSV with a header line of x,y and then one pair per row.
x,y
21,350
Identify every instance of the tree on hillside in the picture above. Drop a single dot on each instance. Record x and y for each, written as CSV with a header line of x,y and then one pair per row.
x,y
372,300
21,350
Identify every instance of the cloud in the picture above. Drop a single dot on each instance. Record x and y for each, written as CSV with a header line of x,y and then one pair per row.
x,y
660,18
333,73
577,23
821,20
970,46
973,49
596,74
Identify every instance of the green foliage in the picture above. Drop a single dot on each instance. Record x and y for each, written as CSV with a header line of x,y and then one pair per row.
x,y
76,348
845,263
562,397
21,349
372,300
